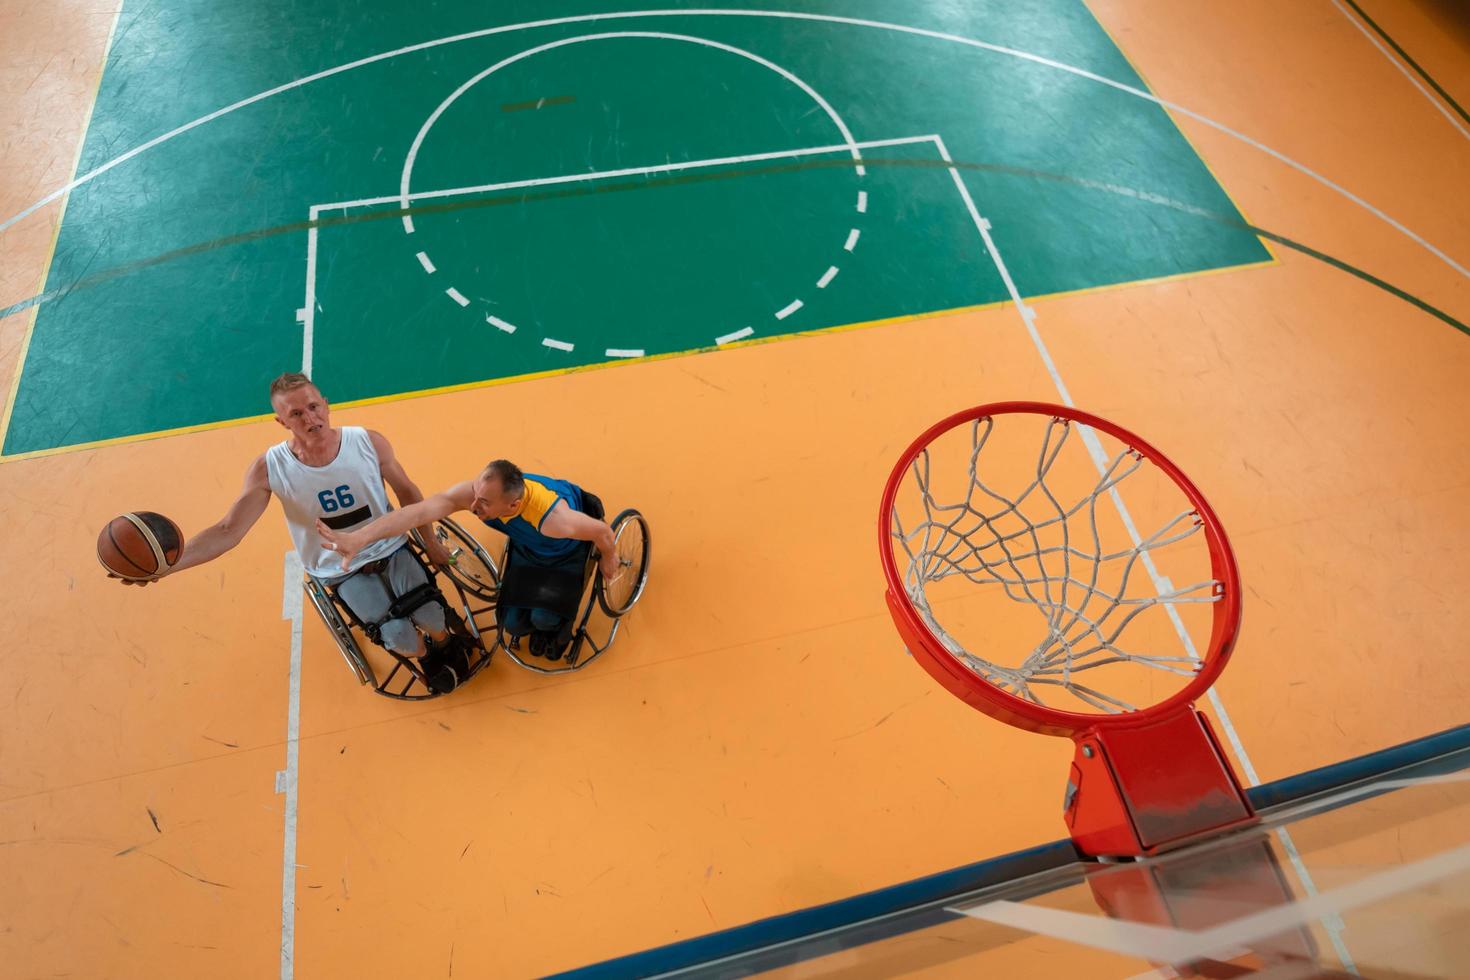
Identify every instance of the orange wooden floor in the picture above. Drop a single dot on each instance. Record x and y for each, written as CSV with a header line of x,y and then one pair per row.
x,y
757,742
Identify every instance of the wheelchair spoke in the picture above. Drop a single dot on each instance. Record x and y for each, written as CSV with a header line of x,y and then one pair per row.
x,y
617,596
471,565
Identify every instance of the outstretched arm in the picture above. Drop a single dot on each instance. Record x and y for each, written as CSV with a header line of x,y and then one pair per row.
x,y
229,530
563,522
422,514
408,494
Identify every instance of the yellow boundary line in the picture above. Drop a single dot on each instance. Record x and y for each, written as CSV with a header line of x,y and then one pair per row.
x,y
30,328
1149,86
619,362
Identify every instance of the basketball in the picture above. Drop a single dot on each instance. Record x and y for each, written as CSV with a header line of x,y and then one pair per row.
x,y
139,546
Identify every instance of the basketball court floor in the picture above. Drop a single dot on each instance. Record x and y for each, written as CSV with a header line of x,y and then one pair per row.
x,y
721,265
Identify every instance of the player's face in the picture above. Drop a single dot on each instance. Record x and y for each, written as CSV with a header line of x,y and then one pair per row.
x,y
303,411
491,501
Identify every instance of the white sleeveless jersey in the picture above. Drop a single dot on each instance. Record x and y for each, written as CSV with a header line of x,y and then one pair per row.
x,y
346,493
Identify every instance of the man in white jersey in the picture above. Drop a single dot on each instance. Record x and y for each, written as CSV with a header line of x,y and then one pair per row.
x,y
335,476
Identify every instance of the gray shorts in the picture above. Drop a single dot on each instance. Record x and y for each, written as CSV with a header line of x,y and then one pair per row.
x,y
369,600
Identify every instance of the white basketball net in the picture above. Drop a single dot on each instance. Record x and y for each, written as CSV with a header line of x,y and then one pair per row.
x,y
1049,556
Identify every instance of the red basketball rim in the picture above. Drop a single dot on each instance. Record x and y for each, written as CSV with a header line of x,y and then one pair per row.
x,y
998,703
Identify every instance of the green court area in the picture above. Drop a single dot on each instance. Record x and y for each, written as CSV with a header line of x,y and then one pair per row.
x,y
572,193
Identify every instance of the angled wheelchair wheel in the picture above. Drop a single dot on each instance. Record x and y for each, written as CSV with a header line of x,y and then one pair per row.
x,y
630,531
473,569
341,632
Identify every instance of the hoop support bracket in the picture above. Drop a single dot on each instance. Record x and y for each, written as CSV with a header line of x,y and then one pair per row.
x,y
1140,790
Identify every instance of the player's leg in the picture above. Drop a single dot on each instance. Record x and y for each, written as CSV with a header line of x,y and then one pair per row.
x,y
545,620
517,620
406,574
367,596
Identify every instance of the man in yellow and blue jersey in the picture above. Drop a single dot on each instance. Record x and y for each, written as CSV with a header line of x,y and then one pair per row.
x,y
543,517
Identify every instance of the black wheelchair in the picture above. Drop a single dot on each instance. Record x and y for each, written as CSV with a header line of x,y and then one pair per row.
x,y
573,589
483,588
403,677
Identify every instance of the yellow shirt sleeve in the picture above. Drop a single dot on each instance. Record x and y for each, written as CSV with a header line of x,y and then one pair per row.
x,y
539,501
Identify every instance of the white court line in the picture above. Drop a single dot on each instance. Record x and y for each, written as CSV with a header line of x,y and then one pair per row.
x,y
670,167
730,338
862,204
827,277
1094,447
344,206
1443,110
1028,316
457,296
775,14
618,352
424,261
308,315
790,308
1161,584
1167,945
558,344
291,608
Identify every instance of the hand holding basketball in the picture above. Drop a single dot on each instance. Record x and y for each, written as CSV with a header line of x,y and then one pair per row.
x,y
139,547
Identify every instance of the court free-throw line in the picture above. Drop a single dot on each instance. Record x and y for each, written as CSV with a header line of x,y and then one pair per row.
x,y
669,167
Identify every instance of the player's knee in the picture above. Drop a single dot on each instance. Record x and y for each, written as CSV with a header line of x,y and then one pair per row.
x,y
545,619
430,616
400,637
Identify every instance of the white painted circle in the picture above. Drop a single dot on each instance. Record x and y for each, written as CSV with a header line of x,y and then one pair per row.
x,y
406,179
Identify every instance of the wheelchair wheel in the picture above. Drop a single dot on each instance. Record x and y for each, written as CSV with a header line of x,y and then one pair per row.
x,y
473,569
630,531
341,632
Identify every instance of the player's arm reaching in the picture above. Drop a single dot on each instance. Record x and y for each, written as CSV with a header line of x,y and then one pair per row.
x,y
563,522
422,514
229,530
408,494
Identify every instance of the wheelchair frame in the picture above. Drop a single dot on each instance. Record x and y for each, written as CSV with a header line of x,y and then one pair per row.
x,y
591,598
462,621
476,581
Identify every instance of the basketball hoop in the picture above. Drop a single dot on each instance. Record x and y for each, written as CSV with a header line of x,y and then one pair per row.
x,y
1031,552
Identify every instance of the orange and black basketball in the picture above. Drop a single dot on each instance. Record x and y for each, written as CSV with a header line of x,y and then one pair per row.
x,y
140,545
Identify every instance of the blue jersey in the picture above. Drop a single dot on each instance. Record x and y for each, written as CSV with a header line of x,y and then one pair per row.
x,y
542,496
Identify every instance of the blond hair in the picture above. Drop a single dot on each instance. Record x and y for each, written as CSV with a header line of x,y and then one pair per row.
x,y
290,381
